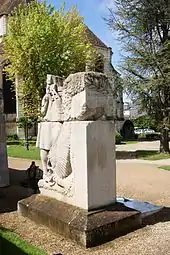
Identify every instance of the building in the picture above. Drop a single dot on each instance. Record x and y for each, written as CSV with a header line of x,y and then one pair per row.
x,y
132,111
103,64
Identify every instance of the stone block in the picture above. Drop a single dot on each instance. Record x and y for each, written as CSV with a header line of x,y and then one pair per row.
x,y
92,162
87,228
87,96
4,174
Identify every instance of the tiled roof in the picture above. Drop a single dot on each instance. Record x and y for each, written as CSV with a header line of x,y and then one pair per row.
x,y
94,40
6,6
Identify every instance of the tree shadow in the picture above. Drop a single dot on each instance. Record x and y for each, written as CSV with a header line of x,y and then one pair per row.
x,y
9,196
135,154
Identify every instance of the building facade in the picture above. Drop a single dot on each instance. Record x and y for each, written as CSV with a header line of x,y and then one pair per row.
x,y
12,107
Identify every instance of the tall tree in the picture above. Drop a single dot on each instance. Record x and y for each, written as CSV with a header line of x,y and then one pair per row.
x,y
144,29
43,40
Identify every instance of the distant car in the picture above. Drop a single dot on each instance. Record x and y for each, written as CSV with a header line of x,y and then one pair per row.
x,y
148,131
139,131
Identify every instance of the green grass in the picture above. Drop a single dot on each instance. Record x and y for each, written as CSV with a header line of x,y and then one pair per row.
x,y
19,151
151,155
130,142
165,168
11,243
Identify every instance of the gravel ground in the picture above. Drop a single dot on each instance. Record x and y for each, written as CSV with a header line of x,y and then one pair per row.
x,y
140,181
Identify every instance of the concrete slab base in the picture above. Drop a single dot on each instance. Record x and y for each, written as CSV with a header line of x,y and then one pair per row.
x,y
87,228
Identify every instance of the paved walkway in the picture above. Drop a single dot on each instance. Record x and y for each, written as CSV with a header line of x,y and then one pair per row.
x,y
143,181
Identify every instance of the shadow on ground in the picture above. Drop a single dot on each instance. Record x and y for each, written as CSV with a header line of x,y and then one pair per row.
x,y
135,154
9,196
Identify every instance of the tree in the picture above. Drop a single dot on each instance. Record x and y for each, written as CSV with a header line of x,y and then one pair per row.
x,y
26,123
145,121
144,28
42,40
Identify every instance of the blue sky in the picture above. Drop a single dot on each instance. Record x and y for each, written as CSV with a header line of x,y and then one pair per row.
x,y
93,12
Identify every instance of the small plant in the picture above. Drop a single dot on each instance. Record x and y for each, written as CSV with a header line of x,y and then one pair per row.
x,y
13,137
26,123
119,138
149,136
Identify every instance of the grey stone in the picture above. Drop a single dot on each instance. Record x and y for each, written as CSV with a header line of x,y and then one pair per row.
x,y
4,173
87,228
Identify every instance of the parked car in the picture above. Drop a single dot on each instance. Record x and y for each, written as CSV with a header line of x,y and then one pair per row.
x,y
148,131
140,131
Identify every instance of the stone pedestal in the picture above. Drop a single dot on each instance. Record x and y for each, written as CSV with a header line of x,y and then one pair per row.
x,y
87,228
4,174
92,158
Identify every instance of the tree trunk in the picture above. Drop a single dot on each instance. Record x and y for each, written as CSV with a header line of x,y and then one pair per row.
x,y
164,141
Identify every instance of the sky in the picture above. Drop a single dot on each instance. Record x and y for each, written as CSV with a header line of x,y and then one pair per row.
x,y
93,12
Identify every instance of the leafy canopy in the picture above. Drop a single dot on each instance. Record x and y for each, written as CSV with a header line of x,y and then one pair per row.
x,y
143,27
43,40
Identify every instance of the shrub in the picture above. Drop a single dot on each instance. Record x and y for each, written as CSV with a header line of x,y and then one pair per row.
x,y
13,137
149,136
153,136
119,138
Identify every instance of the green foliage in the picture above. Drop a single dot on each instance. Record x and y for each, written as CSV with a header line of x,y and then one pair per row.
x,y
143,28
19,151
40,41
26,122
12,243
167,168
145,122
149,136
119,138
13,137
151,155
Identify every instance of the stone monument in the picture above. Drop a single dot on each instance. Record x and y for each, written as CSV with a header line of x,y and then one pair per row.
x,y
77,142
76,139
4,174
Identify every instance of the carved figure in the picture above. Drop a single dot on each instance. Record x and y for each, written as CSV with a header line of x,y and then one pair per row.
x,y
51,122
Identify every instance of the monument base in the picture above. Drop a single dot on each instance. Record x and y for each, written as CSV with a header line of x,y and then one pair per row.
x,y
88,228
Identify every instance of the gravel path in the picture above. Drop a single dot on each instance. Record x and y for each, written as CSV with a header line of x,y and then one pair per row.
x,y
140,181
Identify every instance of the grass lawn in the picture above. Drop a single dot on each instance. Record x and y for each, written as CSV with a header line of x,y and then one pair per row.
x,y
11,243
19,151
151,155
130,142
165,168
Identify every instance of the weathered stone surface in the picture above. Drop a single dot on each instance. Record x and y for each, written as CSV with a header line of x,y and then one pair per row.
x,y
88,228
4,174
88,165
78,161
87,96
